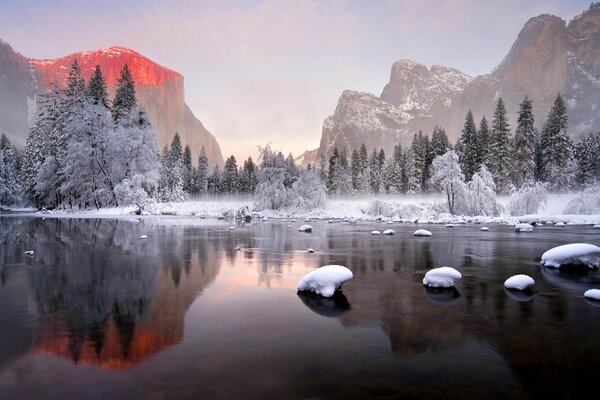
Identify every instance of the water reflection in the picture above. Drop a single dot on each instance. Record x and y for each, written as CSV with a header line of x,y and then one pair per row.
x,y
520,295
442,296
331,307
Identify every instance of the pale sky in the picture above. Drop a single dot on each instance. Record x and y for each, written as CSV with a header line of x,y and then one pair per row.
x,y
260,72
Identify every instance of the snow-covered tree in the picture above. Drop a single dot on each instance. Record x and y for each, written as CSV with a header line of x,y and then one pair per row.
x,y
364,176
339,179
469,158
556,147
482,193
231,180
483,142
125,99
355,169
411,181
525,137
291,171
97,88
448,177
500,150
439,142
528,199
308,192
271,193
172,175
188,170
10,185
214,182
202,173
375,172
587,154
249,176
587,203
393,171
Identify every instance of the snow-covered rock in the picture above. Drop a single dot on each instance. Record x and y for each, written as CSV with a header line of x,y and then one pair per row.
x,y
375,233
523,228
305,228
389,232
310,250
231,228
559,224
442,277
593,294
519,282
484,229
450,225
422,232
583,254
237,248
28,253
144,237
596,226
330,221
325,280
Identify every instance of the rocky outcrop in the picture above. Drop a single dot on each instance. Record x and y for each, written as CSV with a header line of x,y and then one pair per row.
x,y
548,57
159,89
17,94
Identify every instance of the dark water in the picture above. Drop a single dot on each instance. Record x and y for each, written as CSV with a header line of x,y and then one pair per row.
x,y
98,313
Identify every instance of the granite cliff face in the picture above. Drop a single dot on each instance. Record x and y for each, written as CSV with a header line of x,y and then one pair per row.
x,y
548,57
159,89
17,94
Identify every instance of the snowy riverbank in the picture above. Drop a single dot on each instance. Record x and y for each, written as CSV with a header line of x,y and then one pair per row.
x,y
397,209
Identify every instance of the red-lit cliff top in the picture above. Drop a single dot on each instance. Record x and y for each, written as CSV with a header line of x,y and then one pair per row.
x,y
145,72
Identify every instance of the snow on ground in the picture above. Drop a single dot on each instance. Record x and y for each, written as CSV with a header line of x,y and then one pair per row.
x,y
519,282
413,209
443,277
572,254
325,280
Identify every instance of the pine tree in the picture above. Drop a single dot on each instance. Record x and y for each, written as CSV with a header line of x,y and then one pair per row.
x,y
230,180
469,159
10,185
525,136
214,182
339,179
355,169
97,88
125,99
187,169
439,142
202,172
411,182
292,173
375,172
364,178
250,178
587,153
500,155
394,171
556,147
483,142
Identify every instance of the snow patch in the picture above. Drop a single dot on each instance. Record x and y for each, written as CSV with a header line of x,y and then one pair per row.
x,y
445,277
519,282
523,228
375,233
389,232
325,280
582,254
305,228
422,232
593,294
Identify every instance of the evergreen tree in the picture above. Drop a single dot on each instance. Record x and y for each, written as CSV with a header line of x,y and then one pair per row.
x,y
188,169
355,169
587,153
525,137
393,176
125,99
339,179
364,178
292,173
439,142
214,182
483,142
500,155
469,159
10,186
230,181
556,147
202,173
97,88
250,171
376,177
411,182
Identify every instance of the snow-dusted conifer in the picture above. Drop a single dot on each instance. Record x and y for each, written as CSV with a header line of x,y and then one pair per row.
x,y
10,186
439,142
525,136
97,88
587,154
202,173
483,142
556,147
125,99
231,181
469,159
500,151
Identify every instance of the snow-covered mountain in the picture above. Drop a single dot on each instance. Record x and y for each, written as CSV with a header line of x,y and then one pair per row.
x,y
548,57
159,89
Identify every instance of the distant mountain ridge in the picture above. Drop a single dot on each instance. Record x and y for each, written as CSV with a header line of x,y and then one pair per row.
x,y
159,89
548,57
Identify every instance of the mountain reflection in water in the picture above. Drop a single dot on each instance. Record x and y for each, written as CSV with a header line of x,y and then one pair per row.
x,y
185,314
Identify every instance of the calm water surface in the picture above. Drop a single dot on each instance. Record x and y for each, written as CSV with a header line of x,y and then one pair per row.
x,y
97,313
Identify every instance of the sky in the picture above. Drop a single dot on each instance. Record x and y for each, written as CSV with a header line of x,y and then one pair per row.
x,y
267,71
